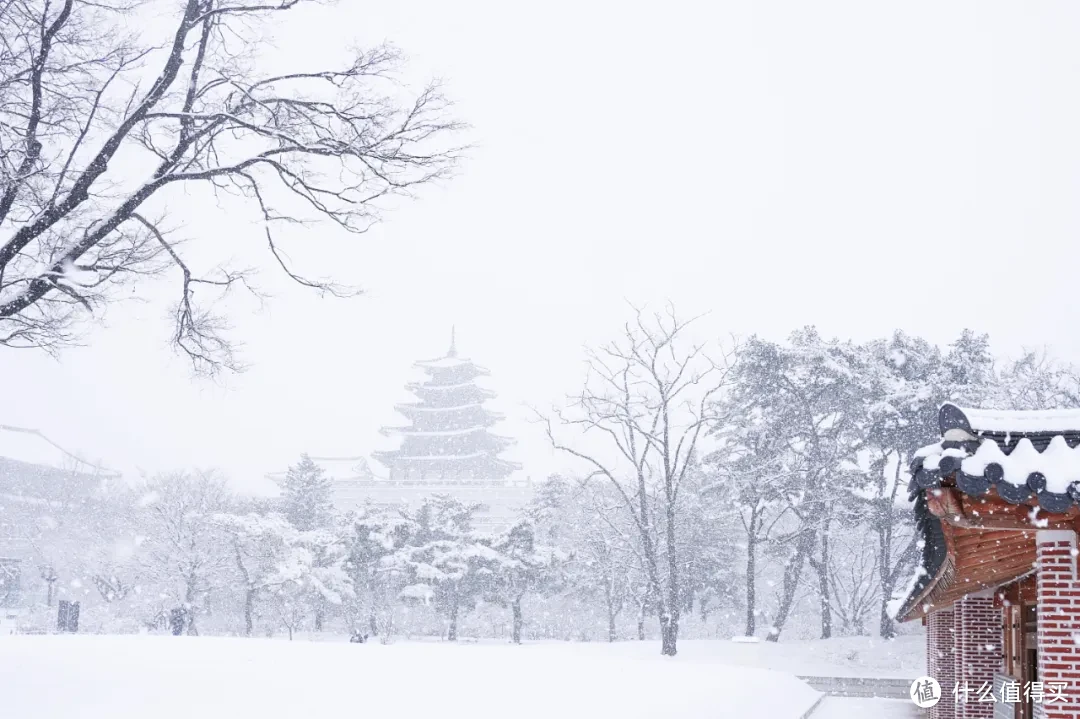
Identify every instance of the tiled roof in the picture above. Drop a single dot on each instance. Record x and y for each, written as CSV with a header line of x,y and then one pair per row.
x,y
1020,454
31,446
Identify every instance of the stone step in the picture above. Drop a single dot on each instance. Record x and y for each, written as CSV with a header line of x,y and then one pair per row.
x,y
881,687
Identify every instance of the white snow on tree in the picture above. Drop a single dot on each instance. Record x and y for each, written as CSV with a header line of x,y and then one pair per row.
x,y
308,496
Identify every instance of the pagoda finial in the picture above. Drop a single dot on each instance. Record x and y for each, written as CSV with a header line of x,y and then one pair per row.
x,y
453,342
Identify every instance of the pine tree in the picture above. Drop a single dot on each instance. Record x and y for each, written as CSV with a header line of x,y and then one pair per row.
x,y
449,564
309,506
378,540
307,500
520,567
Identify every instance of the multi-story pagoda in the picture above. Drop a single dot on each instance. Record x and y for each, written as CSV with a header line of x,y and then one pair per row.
x,y
449,438
447,449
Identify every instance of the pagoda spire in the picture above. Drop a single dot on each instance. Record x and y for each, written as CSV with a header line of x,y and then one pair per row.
x,y
453,342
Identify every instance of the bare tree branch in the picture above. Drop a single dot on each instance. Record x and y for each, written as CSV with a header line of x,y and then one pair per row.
x,y
98,129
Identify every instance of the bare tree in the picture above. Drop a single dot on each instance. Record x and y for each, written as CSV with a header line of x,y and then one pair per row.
x,y
188,552
604,560
750,475
98,129
853,578
649,396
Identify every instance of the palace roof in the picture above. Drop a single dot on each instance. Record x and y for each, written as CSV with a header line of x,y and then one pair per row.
x,y
980,494
1021,455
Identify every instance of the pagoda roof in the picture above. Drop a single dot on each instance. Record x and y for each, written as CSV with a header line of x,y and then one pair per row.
x,y
396,456
451,362
414,386
451,382
982,491
411,432
424,408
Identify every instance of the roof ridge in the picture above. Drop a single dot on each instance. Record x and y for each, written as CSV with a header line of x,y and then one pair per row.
x,y
975,422
71,455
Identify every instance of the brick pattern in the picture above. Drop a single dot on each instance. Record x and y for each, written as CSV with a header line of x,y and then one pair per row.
x,y
940,661
1059,620
978,654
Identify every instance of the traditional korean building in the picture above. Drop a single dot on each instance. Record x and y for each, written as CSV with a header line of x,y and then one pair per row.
x,y
38,480
446,448
996,503
448,438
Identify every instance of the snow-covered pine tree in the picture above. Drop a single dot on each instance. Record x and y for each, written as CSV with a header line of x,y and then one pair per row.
x,y
309,506
449,564
307,499
521,567
260,545
377,538
448,437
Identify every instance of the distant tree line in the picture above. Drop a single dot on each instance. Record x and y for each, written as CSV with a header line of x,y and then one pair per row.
x,y
731,489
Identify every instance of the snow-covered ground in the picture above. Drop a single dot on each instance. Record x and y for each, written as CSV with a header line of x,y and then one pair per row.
x,y
900,658
134,677
854,708
903,657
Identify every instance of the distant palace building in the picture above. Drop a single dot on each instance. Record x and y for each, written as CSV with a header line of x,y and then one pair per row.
x,y
39,481
447,448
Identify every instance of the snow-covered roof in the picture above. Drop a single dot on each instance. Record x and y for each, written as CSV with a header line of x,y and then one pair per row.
x,y
450,362
435,457
344,468
423,408
411,432
30,446
1021,454
418,387
983,421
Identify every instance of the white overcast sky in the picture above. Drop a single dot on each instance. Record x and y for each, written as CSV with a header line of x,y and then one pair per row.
x,y
859,166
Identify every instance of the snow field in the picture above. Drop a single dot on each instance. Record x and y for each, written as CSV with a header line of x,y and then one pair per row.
x,y
135,677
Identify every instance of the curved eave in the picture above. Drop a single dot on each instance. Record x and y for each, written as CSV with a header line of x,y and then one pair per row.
x,y
440,366
420,387
421,409
397,456
413,432
936,563
947,464
960,557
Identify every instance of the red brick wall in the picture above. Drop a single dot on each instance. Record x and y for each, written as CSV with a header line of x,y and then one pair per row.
x,y
978,653
1059,619
940,659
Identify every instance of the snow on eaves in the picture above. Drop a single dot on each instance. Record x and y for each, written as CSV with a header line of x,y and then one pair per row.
x,y
410,432
423,408
451,362
436,457
896,603
1018,471
413,386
